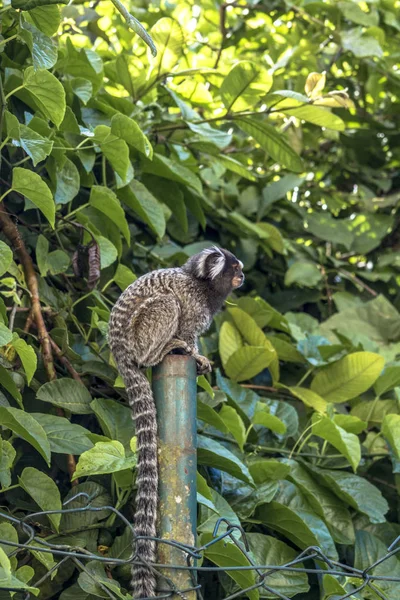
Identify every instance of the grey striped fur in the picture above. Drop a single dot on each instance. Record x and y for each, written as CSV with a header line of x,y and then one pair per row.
x,y
160,312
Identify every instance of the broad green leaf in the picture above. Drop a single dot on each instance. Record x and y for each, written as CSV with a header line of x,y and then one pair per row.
x,y
263,417
82,88
267,550
249,328
325,227
301,527
107,202
346,443
391,431
359,44
104,457
32,186
142,202
208,517
93,580
170,169
7,382
309,398
127,129
350,423
229,341
234,424
115,420
369,549
325,504
235,166
348,377
244,85
277,190
226,554
168,38
123,277
263,313
303,273
5,335
213,454
207,414
46,18
263,469
249,498
6,257
248,361
35,145
273,142
108,252
66,393
43,491
389,379
67,182
26,427
27,356
47,92
7,457
274,239
114,149
312,114
64,437
355,491
43,48
285,350
369,231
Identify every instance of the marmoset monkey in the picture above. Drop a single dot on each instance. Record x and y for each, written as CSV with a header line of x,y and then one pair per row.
x,y
163,311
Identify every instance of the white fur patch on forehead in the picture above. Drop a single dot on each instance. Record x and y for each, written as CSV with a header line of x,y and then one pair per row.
x,y
240,264
218,263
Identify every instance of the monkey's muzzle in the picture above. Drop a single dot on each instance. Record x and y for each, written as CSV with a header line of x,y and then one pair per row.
x,y
237,281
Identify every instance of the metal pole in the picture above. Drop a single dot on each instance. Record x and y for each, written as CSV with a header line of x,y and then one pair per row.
x,y
174,387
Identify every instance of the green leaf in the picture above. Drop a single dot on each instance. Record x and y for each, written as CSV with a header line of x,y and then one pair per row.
x,y
142,202
123,277
6,257
207,414
67,182
35,145
391,431
234,165
5,335
44,492
168,38
26,427
248,499
369,550
263,417
248,361
115,420
7,457
301,527
43,49
8,383
303,273
389,379
267,550
64,437
127,129
350,423
273,142
325,504
114,149
108,252
27,356
226,554
234,424
229,341
285,350
48,93
104,457
277,190
244,85
213,454
170,169
348,377
83,88
356,492
312,114
359,44
46,18
263,469
66,393
32,186
107,202
346,443
325,227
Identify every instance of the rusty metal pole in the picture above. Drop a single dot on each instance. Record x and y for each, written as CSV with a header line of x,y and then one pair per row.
x,y
174,387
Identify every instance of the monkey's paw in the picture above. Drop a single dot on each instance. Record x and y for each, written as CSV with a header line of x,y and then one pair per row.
x,y
203,364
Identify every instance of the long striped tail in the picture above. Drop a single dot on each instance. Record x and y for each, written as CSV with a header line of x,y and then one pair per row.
x,y
144,414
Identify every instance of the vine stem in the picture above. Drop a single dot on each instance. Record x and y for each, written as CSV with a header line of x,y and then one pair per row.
x,y
11,231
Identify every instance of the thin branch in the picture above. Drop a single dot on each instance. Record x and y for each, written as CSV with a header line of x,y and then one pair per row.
x,y
11,232
64,360
356,279
222,28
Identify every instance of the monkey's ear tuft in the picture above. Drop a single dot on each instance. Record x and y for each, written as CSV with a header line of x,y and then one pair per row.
x,y
210,263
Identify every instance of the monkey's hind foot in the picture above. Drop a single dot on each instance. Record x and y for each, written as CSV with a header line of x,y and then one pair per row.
x,y
203,364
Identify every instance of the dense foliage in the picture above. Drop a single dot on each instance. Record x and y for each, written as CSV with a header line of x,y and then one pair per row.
x,y
273,130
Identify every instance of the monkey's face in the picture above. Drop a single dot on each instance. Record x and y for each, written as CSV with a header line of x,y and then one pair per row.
x,y
237,274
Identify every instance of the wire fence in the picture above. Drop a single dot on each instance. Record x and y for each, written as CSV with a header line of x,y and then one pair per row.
x,y
360,579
